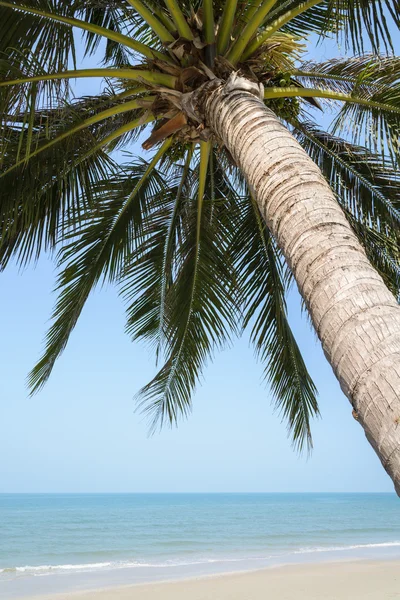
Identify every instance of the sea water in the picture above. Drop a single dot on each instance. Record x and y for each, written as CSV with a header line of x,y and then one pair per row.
x,y
63,542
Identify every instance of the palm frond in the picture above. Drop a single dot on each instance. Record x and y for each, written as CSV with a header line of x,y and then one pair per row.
x,y
20,32
375,121
367,72
280,23
94,29
226,25
352,20
201,310
98,250
161,13
319,18
179,19
235,53
382,249
169,248
369,116
263,282
43,183
117,16
112,112
151,19
366,22
146,279
54,182
134,74
59,187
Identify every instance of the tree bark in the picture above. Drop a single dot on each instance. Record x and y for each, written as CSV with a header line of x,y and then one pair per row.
x,y
355,316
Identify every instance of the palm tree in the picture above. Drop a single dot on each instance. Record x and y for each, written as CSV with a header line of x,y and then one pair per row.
x,y
244,191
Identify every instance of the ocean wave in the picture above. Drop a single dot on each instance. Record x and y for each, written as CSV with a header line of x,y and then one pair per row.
x,y
40,568
184,562
312,549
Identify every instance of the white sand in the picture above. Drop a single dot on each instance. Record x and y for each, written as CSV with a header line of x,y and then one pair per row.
x,y
364,580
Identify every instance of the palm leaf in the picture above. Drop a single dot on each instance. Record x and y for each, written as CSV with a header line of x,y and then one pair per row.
x,y
89,27
112,112
179,19
256,20
319,18
145,282
226,25
373,113
352,19
98,251
20,32
262,282
159,29
369,72
160,12
134,74
371,20
201,310
52,176
38,197
382,249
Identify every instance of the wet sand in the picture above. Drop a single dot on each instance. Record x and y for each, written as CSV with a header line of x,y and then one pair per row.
x,y
364,580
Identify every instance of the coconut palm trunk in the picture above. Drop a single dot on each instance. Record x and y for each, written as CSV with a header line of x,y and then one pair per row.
x,y
355,316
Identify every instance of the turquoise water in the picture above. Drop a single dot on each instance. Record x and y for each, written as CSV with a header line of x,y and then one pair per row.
x,y
63,542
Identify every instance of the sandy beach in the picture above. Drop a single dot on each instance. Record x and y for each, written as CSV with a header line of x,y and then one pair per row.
x,y
364,580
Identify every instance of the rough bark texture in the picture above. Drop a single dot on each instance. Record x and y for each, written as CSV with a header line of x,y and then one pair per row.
x,y
356,317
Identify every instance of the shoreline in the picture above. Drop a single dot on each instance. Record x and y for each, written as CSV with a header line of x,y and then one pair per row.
x,y
107,584
333,580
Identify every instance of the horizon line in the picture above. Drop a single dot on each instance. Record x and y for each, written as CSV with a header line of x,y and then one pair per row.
x,y
184,493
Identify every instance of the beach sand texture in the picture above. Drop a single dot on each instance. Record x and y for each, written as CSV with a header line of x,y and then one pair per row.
x,y
362,580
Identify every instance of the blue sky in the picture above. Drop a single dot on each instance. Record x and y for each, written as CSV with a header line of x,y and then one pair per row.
x,y
81,433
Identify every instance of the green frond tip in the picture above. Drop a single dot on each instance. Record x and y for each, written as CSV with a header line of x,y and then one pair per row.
x,y
236,52
159,29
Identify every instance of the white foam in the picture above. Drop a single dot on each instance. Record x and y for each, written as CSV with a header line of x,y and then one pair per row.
x,y
48,569
39,568
343,548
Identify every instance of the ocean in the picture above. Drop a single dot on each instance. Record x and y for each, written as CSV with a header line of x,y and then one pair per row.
x,y
64,542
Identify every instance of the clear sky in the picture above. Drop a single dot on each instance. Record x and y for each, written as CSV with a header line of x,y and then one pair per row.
x,y
81,433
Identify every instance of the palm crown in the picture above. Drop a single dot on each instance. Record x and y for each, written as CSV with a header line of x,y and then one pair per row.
x,y
180,233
